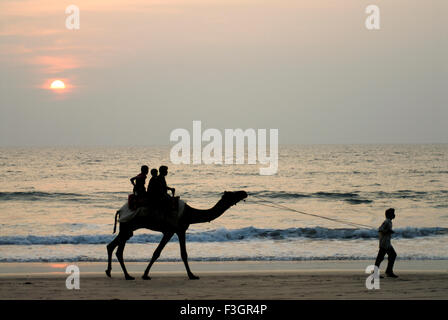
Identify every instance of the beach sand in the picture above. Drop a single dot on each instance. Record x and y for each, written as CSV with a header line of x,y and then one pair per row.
x,y
226,280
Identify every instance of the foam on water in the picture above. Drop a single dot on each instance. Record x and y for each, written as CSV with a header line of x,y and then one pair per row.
x,y
225,235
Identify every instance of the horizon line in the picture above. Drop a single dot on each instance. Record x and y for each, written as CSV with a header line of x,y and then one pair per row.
x,y
170,145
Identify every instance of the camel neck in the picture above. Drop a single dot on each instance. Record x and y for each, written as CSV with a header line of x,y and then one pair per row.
x,y
200,216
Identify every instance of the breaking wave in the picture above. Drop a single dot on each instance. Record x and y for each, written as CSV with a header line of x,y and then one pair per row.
x,y
225,235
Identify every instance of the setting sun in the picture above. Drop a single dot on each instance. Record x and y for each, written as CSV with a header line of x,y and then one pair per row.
x,y
57,84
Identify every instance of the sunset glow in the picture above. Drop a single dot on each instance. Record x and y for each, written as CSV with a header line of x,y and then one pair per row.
x,y
58,265
57,85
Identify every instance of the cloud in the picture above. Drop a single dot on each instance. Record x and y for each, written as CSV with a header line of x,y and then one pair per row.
x,y
55,64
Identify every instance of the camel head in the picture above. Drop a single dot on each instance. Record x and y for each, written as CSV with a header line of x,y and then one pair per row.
x,y
233,197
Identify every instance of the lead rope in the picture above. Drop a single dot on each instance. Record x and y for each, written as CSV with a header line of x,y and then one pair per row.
x,y
279,206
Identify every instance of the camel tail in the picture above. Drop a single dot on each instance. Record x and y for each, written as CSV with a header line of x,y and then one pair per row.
x,y
115,224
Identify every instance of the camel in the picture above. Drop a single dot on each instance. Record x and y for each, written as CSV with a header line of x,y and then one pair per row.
x,y
165,223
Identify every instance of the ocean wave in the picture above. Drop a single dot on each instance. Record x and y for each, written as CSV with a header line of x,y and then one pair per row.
x,y
353,197
225,235
39,195
61,196
288,195
350,197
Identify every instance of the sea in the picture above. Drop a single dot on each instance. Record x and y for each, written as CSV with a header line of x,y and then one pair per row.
x,y
58,203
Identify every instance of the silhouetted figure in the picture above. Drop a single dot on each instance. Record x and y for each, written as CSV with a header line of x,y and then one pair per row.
x,y
153,189
163,171
139,182
161,198
385,234
138,197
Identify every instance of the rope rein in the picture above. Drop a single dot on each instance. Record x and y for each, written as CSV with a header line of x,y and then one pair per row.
x,y
262,201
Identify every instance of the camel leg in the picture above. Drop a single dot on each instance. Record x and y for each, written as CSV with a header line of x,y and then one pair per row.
x,y
110,249
166,237
119,255
183,254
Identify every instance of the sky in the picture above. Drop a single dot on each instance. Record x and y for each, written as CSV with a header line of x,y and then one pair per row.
x,y
138,69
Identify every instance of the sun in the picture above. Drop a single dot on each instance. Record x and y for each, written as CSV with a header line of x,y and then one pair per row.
x,y
57,85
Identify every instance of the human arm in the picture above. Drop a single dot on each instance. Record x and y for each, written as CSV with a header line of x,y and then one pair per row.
x,y
386,227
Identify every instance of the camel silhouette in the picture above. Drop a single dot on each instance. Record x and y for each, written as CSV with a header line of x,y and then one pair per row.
x,y
174,222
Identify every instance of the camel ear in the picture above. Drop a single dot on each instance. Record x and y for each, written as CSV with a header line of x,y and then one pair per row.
x,y
226,194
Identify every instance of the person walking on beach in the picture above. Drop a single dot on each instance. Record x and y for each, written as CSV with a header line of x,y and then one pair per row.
x,y
385,234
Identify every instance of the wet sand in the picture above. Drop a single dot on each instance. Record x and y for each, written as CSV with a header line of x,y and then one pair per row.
x,y
226,280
